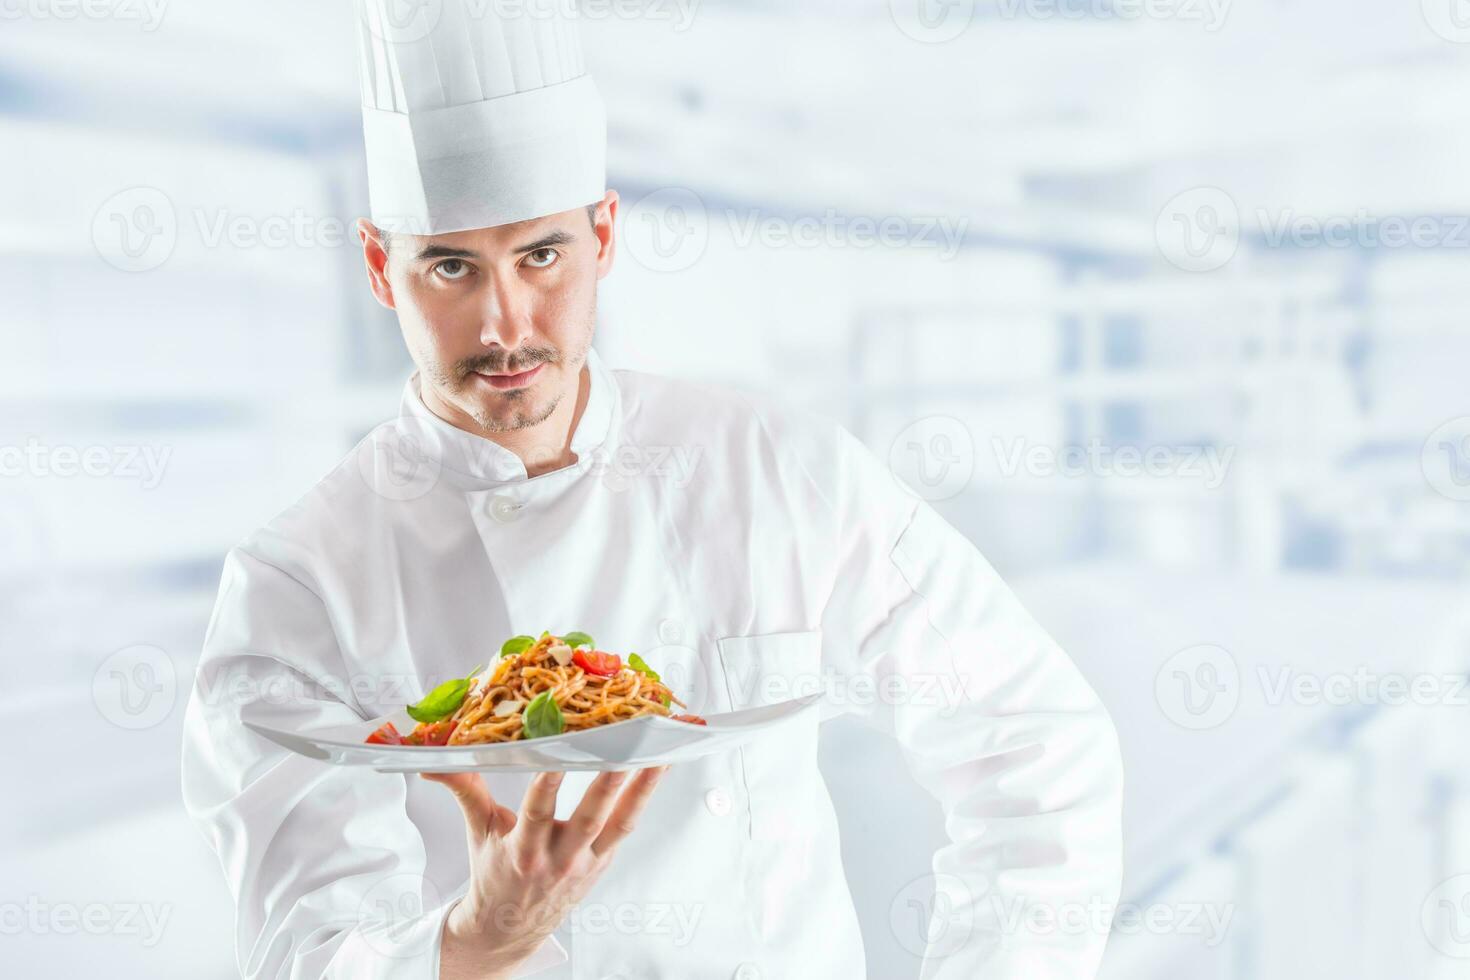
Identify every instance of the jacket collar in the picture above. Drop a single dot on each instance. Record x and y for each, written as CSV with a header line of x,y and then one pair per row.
x,y
477,460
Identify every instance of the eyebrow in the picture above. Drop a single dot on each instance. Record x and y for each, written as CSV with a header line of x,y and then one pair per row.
x,y
445,252
448,252
549,241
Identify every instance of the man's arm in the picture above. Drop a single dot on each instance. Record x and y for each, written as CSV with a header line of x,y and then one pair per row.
x,y
326,868
995,722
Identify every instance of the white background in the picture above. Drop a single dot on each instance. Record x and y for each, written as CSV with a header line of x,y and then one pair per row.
x,y
1137,194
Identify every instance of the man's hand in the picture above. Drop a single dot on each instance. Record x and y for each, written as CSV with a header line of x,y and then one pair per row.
x,y
527,871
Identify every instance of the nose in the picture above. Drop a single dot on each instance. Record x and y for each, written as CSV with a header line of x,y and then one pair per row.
x,y
506,316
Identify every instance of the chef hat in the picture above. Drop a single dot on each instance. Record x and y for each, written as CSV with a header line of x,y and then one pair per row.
x,y
477,113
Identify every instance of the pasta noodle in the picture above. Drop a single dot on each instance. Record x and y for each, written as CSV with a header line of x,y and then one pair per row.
x,y
537,688
586,699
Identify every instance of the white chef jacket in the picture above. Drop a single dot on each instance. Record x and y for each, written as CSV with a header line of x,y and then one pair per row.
x,y
747,551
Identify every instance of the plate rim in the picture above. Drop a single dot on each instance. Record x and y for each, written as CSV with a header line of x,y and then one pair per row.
x,y
803,701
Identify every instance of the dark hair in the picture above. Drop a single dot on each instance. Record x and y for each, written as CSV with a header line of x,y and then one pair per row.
x,y
388,235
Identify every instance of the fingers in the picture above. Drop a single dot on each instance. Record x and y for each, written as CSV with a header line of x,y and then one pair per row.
x,y
481,813
591,814
538,809
624,817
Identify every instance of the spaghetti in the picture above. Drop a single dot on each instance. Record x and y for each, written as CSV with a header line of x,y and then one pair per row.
x,y
540,687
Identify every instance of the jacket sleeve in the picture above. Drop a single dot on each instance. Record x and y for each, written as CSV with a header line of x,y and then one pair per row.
x,y
993,720
326,868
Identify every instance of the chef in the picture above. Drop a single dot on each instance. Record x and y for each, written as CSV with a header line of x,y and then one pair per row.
x,y
748,551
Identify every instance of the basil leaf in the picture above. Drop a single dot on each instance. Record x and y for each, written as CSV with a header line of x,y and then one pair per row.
x,y
578,639
441,702
543,717
668,700
516,644
639,664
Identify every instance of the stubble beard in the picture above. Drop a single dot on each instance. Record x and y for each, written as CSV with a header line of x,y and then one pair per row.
x,y
459,378
523,418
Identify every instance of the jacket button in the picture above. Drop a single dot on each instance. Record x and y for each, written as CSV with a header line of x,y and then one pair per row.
x,y
717,801
747,971
503,508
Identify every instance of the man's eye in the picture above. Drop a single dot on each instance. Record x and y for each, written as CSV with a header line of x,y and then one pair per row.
x,y
452,269
541,258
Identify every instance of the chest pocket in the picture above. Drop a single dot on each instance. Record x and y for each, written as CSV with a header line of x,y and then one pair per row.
x,y
779,769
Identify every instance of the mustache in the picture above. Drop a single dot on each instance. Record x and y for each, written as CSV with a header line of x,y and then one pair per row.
x,y
506,362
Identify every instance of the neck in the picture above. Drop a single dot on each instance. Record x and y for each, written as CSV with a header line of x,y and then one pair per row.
x,y
541,448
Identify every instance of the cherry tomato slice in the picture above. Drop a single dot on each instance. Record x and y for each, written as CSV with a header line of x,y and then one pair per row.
x,y
597,662
436,733
691,719
387,735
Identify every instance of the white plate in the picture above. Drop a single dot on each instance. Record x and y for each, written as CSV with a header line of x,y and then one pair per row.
x,y
650,740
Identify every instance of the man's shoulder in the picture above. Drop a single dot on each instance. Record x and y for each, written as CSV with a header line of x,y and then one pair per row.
x,y
713,409
753,437
318,522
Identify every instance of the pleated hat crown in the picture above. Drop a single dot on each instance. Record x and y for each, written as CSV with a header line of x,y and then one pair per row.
x,y
477,113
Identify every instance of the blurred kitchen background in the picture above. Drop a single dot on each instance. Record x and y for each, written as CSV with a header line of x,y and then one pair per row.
x,y
1162,304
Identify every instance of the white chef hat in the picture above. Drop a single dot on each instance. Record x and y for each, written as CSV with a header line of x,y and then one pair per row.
x,y
477,113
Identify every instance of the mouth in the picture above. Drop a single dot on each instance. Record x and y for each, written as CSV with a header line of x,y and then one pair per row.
x,y
510,382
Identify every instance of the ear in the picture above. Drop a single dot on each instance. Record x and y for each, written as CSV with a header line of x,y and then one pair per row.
x,y
376,257
604,226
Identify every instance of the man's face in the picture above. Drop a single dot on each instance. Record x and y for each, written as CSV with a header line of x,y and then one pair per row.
x,y
498,320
